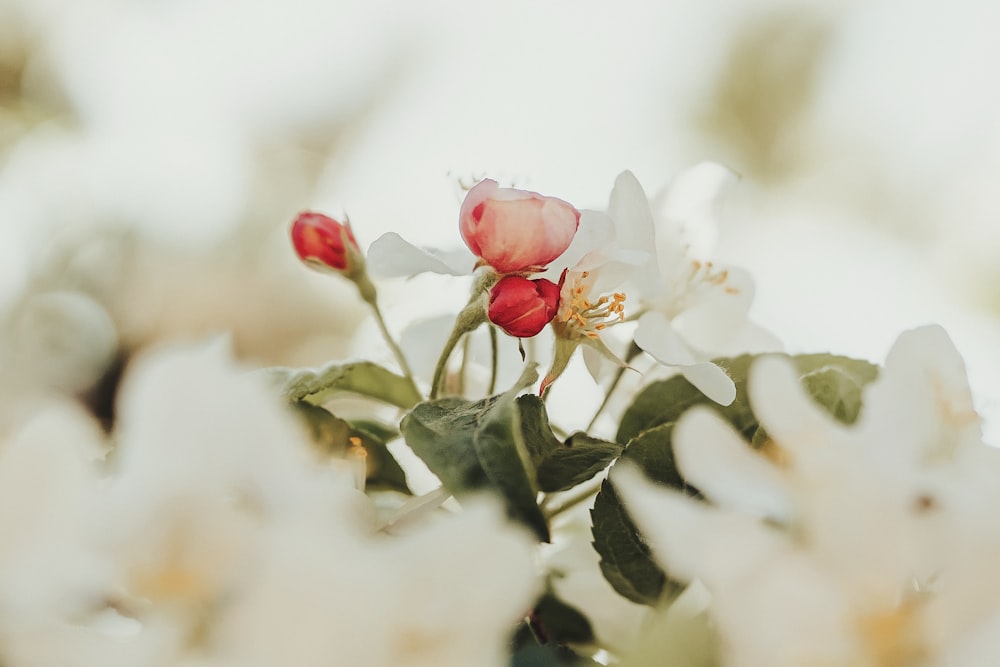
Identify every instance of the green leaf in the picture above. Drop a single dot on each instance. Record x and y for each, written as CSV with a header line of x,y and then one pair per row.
x,y
575,461
478,446
362,377
526,651
376,429
555,621
626,560
837,386
383,470
333,436
838,390
560,465
441,433
539,441
664,401
503,456
533,655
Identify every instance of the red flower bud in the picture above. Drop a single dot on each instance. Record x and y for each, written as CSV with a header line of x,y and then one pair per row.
x,y
323,243
523,307
515,230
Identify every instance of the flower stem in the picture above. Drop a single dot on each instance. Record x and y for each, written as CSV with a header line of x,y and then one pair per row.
x,y
368,293
580,494
494,361
467,321
466,351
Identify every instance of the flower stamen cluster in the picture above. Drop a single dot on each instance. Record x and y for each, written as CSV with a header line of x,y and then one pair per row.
x,y
583,317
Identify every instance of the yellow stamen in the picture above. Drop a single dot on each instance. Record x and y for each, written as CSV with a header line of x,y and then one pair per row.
x,y
585,317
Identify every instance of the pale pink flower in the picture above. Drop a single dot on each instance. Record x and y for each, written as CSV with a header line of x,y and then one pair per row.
x,y
515,230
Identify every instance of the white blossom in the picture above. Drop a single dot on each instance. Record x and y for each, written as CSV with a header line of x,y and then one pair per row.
x,y
691,308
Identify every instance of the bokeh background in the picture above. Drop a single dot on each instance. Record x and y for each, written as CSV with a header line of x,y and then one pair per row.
x,y
152,153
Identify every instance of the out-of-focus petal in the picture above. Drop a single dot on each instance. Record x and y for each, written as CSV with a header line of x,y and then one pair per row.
x,y
791,418
921,403
717,461
690,539
711,381
693,189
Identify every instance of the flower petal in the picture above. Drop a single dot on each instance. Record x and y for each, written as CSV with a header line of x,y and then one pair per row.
x,y
921,403
717,309
689,538
390,256
634,226
711,381
790,417
716,460
693,189
596,231
656,337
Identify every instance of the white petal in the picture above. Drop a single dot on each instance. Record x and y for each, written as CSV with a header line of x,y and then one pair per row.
x,y
655,336
595,362
790,417
390,256
716,310
693,189
711,381
921,402
690,539
716,460
595,233
750,339
612,270
634,227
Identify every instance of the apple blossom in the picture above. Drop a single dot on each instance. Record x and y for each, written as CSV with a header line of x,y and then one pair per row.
x,y
588,303
516,230
324,243
691,310
523,307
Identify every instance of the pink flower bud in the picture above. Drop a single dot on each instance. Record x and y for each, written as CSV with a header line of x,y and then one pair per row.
x,y
323,243
516,230
523,307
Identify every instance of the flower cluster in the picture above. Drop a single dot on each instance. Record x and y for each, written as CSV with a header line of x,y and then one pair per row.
x,y
686,310
725,504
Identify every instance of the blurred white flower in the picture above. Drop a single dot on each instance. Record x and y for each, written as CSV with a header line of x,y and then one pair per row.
x,y
205,458
889,541
50,568
420,600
